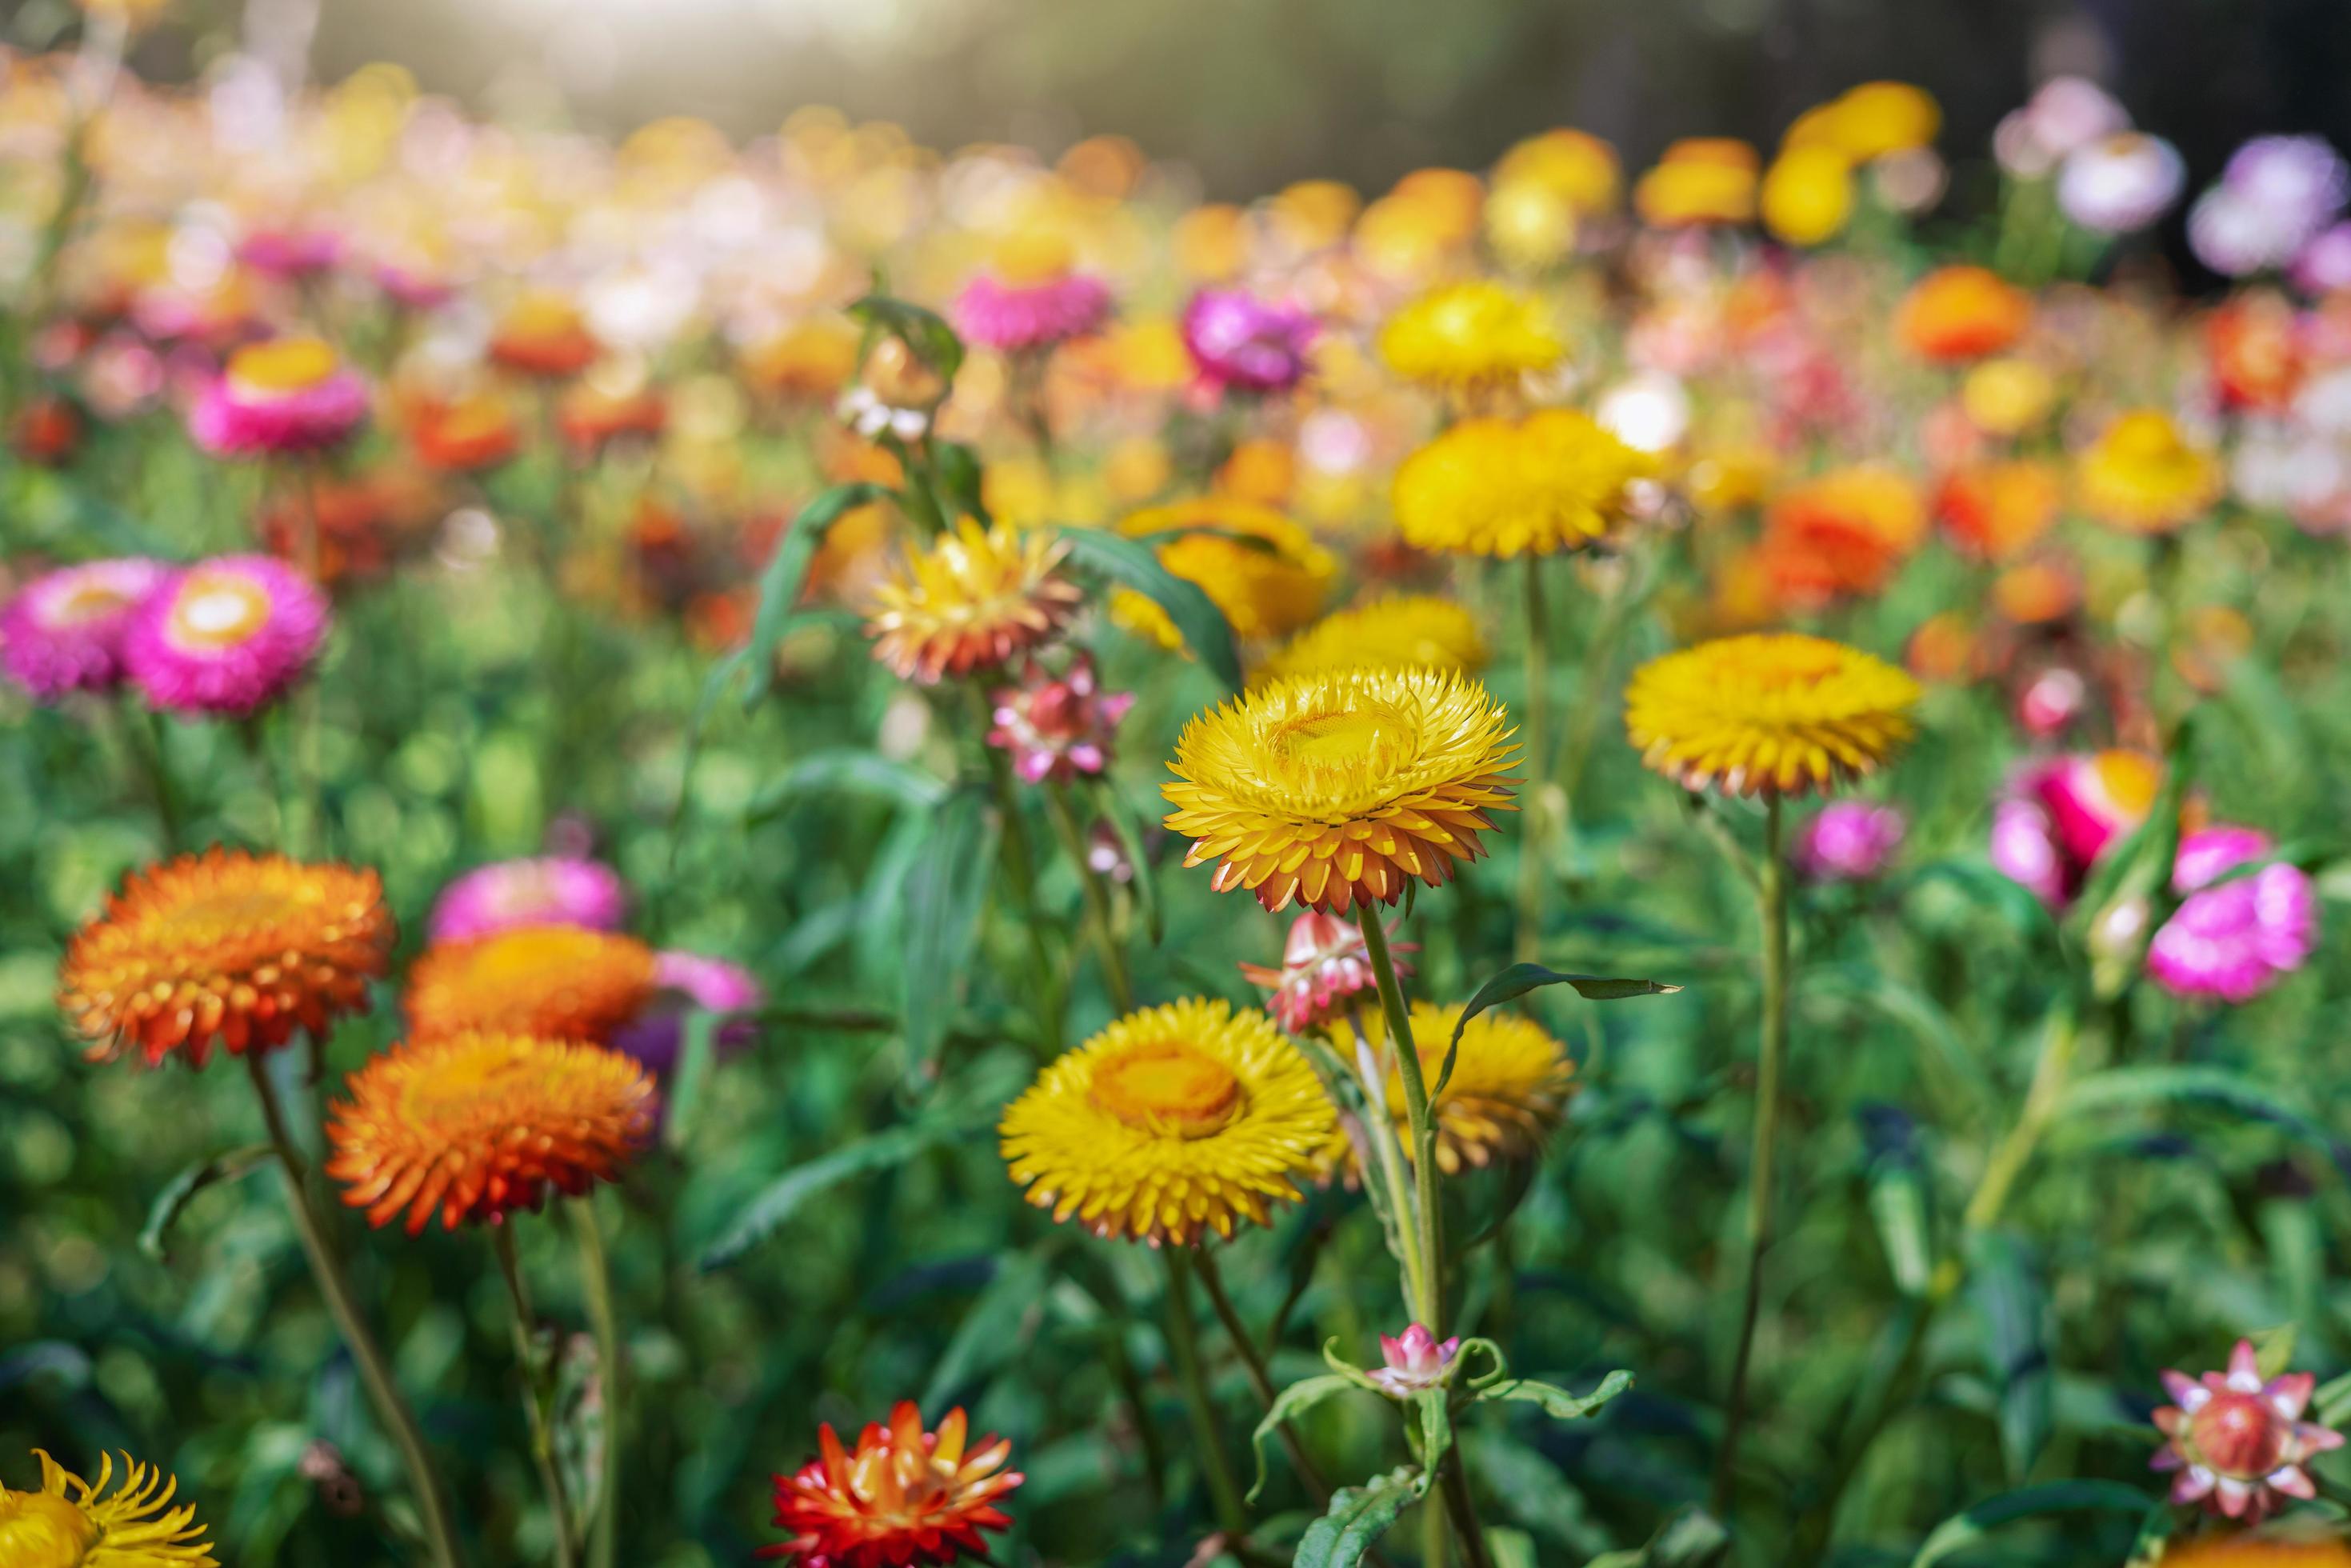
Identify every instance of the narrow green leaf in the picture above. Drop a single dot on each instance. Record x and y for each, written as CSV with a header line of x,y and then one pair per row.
x,y
1533,1492
1290,1404
1965,1529
779,583
1692,1537
2331,1406
998,1327
946,893
1435,1427
2016,1349
854,770
1512,1549
1556,1402
696,1049
2154,1534
1197,620
1518,980
2200,1084
1357,1518
173,1201
2274,1348
958,475
781,1198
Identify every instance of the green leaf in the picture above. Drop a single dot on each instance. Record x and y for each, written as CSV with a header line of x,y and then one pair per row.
x,y
1518,980
1436,1429
1965,1529
779,583
1897,1206
173,1201
1556,1402
2331,1406
1111,807
2016,1348
698,1050
926,333
1532,1490
2274,1349
1690,1538
853,770
1347,1369
45,1358
1512,1549
1357,1518
2199,1084
781,1198
2154,1534
998,1327
946,893
1197,620
958,474
1291,1403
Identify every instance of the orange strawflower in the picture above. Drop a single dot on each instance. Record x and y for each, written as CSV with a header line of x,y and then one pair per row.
x,y
474,1126
905,1496
463,436
1840,535
544,335
2255,351
229,947
1999,510
1959,313
557,982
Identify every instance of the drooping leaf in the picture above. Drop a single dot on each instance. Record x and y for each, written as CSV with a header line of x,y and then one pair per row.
x,y
2196,1083
781,1198
1357,1518
173,1201
849,770
945,892
1556,1402
2016,1348
1518,980
1196,618
1288,1406
1964,1529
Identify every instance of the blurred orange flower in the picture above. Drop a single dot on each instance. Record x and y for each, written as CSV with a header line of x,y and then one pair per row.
x,y
1959,313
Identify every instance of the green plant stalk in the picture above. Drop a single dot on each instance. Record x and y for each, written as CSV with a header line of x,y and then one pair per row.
x,y
535,1396
1534,851
1020,870
1184,1345
1773,876
391,1409
1599,667
604,1324
1259,1379
1098,915
1381,1137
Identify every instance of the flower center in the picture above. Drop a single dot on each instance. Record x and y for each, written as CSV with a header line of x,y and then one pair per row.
x,y
1340,736
2238,1435
285,365
1167,1086
86,603
229,912
528,956
215,610
462,1082
38,1531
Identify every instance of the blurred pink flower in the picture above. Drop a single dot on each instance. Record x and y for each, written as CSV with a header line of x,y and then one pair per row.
x,y
1415,1361
1016,317
1324,965
290,253
546,889
226,635
1241,343
288,395
2239,1443
690,983
65,630
1058,726
1849,840
2236,940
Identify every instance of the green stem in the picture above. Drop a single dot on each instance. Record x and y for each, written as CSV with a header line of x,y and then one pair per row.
x,y
146,740
1599,667
596,1288
1021,871
1456,1485
1379,1131
1259,1379
1534,852
1098,914
1773,898
391,1409
1428,1292
535,1395
1183,1344
2051,1076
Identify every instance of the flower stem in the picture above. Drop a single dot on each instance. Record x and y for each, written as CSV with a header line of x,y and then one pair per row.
x,y
2051,1076
1428,1292
391,1409
1379,1131
596,1287
1772,878
1534,851
1021,871
1073,844
536,1395
1224,1492
1260,1380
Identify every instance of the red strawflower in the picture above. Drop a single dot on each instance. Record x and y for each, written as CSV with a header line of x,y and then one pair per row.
x,y
905,1496
2237,1442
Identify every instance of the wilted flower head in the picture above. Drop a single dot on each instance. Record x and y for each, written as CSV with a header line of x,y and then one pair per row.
x,y
548,890
1324,965
1850,841
2120,183
65,630
2236,940
1415,1360
2237,1442
1058,726
1241,343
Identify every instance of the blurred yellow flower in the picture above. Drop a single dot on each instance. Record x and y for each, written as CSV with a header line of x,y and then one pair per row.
x,y
1529,225
2007,396
1872,119
1265,573
1572,164
1400,630
1700,180
1808,194
1556,480
1469,335
1511,1081
2142,475
969,602
1778,712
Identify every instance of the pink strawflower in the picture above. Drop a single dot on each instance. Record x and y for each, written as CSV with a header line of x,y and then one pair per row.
x,y
287,395
1324,965
1058,726
1850,841
688,982
2239,1443
64,629
1241,343
226,635
2062,814
1417,1361
1016,317
2236,940
546,890
290,253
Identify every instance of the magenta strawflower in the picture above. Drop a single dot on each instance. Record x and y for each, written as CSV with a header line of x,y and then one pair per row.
x,y
1415,1361
1058,726
2237,1442
64,629
1014,318
1241,343
690,983
1850,841
2063,813
290,251
287,395
2234,941
1324,967
544,890
226,635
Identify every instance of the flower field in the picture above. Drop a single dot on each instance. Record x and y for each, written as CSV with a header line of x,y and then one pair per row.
x,y
805,849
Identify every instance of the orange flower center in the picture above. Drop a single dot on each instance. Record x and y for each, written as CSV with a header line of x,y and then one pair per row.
x,y
285,365
216,609
1167,1086
38,1531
